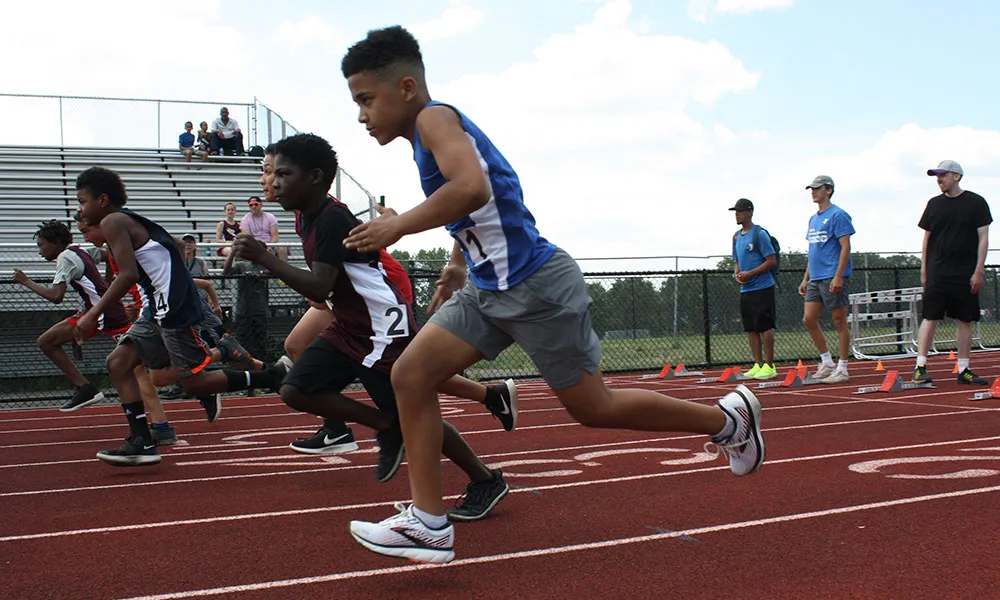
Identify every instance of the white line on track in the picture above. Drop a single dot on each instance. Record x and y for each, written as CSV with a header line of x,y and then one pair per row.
x,y
537,488
555,550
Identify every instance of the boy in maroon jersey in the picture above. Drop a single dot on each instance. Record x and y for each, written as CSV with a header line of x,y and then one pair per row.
x,y
372,324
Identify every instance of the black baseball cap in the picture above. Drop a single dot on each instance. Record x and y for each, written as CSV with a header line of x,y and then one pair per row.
x,y
743,204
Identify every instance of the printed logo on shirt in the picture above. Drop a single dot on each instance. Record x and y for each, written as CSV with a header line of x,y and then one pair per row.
x,y
816,236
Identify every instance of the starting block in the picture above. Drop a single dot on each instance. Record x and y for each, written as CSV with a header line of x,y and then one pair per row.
x,y
993,393
893,383
730,375
793,379
668,373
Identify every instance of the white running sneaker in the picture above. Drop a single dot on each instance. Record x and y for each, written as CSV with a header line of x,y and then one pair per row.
x,y
837,376
745,447
405,536
824,371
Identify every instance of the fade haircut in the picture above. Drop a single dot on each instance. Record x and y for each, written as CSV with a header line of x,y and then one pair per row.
x,y
54,232
309,152
384,50
99,180
269,151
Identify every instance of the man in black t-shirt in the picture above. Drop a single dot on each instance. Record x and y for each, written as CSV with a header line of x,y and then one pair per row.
x,y
956,235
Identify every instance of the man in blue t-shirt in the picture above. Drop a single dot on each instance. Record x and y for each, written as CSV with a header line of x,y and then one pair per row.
x,y
754,256
828,273
186,141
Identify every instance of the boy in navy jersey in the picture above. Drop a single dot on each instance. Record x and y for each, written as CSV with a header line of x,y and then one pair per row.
x,y
372,322
522,289
76,268
165,336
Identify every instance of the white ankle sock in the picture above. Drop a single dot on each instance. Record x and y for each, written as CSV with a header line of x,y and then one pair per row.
x,y
727,430
826,359
921,360
963,364
842,366
432,521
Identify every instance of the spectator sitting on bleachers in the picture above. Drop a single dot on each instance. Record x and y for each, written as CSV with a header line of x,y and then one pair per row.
x,y
262,225
185,142
226,134
204,140
226,230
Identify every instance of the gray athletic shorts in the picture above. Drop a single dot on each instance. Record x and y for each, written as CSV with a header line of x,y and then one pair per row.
x,y
160,348
819,291
547,315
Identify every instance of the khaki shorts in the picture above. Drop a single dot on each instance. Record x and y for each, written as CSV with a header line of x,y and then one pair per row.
x,y
547,315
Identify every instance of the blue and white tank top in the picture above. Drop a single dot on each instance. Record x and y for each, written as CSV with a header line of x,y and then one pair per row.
x,y
499,240
171,298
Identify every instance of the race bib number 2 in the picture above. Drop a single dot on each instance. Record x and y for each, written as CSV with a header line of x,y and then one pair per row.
x,y
396,324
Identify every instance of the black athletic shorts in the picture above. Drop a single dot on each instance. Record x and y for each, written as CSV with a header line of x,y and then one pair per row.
x,y
757,310
323,368
953,300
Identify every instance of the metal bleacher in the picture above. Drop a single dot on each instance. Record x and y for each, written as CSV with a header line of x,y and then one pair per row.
x,y
38,183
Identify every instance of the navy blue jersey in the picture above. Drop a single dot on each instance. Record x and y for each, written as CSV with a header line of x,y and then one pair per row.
x,y
171,298
499,241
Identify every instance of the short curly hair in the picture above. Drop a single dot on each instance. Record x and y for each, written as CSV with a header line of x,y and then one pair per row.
x,y
309,152
103,181
54,232
383,49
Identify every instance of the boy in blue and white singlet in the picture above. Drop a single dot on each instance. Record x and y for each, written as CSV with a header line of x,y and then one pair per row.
x,y
165,336
521,289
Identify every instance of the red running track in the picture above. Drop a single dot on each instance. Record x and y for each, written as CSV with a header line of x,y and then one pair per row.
x,y
862,496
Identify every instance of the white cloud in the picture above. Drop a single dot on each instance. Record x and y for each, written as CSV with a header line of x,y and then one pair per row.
x,y
459,18
701,10
310,30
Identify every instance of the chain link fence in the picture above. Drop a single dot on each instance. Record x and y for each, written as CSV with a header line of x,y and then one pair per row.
x,y
644,320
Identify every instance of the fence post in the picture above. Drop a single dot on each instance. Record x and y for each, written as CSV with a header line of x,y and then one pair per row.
x,y
899,323
676,277
157,144
62,141
708,322
631,290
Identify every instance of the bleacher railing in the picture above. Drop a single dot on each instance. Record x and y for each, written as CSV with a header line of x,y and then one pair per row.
x,y
127,122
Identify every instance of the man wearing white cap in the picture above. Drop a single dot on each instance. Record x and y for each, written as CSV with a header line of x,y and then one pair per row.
x,y
827,278
956,235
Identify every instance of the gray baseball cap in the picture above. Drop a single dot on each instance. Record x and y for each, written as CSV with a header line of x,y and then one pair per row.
x,y
946,166
820,181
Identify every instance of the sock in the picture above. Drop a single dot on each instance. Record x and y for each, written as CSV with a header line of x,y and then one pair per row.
x,y
826,359
160,426
432,521
236,380
842,366
136,415
727,430
921,360
963,364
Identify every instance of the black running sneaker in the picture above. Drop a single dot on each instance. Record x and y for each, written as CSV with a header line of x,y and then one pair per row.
x,y
212,405
479,498
501,400
326,442
135,452
969,378
390,452
82,396
920,375
164,437
237,354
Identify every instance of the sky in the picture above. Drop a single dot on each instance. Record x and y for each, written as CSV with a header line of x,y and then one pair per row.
x,y
633,125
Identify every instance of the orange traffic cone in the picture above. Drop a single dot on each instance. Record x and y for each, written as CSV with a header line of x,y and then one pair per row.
x,y
951,355
879,366
955,370
798,367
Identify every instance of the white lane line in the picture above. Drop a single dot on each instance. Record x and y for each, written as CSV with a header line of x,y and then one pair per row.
x,y
555,550
554,486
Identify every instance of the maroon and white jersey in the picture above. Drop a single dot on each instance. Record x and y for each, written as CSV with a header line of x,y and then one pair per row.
x,y
372,320
76,268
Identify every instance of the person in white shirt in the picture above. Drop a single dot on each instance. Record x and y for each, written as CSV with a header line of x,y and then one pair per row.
x,y
226,134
